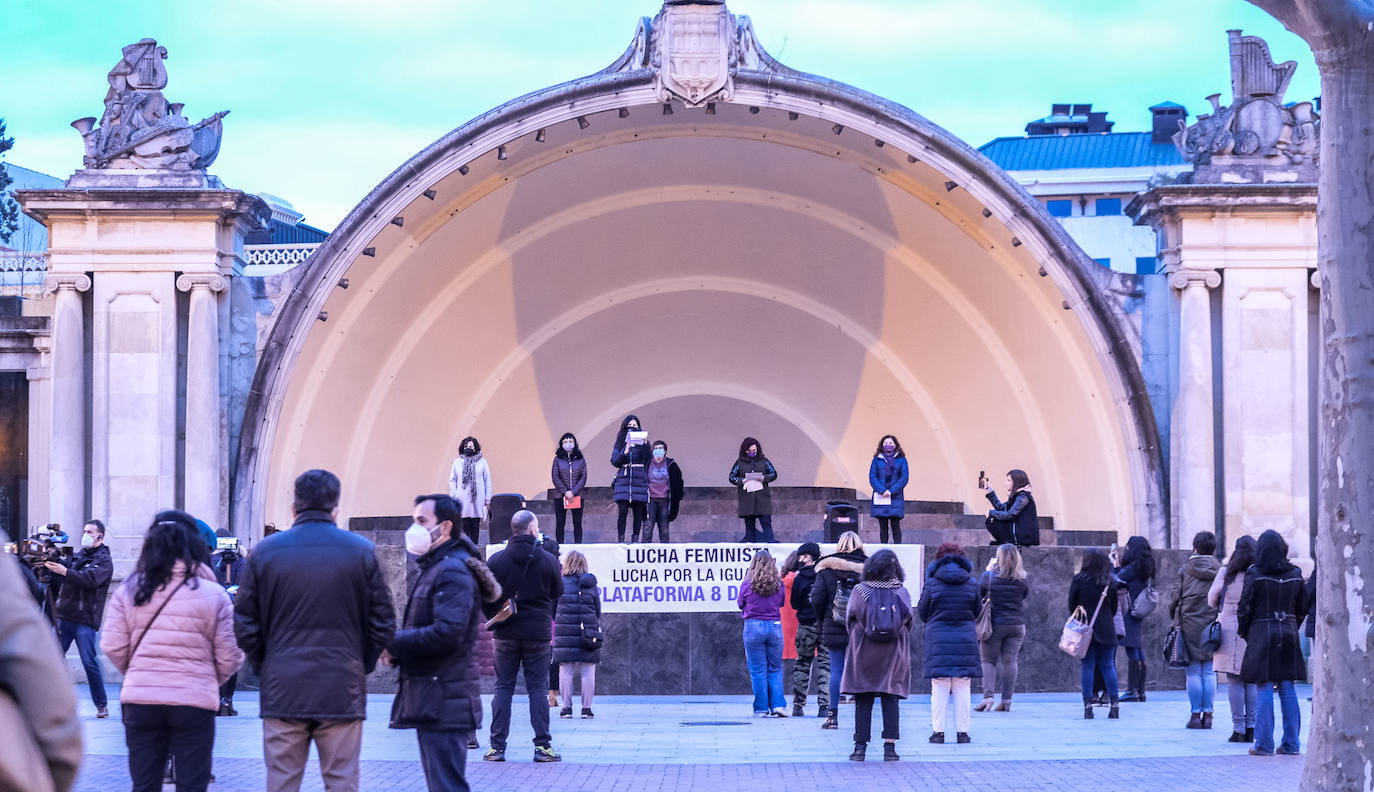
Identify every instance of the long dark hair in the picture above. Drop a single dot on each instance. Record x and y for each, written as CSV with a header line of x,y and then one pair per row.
x,y
1096,566
172,537
1138,550
1241,557
898,454
1019,480
884,565
625,428
1271,553
744,448
577,449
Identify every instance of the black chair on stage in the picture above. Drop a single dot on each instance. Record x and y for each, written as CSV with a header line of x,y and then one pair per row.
x,y
503,507
840,516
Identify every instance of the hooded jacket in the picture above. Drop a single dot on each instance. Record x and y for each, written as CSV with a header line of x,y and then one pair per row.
x,y
530,574
830,572
949,606
579,610
632,477
1190,606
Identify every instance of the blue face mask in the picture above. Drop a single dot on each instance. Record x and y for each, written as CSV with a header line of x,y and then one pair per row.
x,y
659,453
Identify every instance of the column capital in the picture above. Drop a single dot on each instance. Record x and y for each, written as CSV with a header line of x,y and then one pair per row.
x,y
1183,278
1316,279
215,283
78,281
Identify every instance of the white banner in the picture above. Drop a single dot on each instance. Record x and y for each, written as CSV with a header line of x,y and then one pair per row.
x,y
698,577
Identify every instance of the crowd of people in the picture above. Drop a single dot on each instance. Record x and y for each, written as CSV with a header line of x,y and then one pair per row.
x,y
179,630
647,488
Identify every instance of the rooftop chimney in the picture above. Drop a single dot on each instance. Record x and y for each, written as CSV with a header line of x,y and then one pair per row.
x,y
1167,116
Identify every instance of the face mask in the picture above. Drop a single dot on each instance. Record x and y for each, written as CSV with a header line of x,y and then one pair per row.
x,y
888,448
569,446
418,539
751,454
87,541
659,453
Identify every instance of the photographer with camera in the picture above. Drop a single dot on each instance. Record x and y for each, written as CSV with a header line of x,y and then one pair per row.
x,y
82,584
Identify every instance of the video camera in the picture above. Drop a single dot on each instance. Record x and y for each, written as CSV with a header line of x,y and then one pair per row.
x,y
228,550
44,544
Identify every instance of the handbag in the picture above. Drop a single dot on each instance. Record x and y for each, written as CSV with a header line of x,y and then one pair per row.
x,y
1078,633
508,607
1211,636
1123,599
983,625
1146,601
1175,648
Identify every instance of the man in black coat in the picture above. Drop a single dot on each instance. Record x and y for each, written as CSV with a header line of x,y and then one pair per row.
x,y
313,615
82,584
440,690
529,574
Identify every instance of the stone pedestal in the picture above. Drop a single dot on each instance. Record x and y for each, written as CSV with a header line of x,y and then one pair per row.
x,y
1262,239
132,250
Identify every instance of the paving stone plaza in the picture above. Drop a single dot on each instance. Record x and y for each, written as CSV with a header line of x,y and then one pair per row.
x,y
666,744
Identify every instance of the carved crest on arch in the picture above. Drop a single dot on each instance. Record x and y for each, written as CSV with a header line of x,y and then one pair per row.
x,y
694,44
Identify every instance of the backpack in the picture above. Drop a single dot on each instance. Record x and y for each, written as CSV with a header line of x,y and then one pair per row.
x,y
839,606
1145,602
884,617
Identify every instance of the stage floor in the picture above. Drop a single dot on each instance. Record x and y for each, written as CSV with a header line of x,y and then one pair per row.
x,y
682,743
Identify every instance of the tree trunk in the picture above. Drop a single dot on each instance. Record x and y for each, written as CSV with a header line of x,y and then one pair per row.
x,y
1339,749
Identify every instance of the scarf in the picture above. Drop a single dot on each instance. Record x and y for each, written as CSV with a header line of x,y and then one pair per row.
x,y
470,474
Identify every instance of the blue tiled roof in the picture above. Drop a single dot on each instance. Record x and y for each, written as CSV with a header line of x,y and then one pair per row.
x,y
1059,152
287,234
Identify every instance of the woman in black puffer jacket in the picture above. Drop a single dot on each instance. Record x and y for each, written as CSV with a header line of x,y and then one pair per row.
x,y
577,619
836,575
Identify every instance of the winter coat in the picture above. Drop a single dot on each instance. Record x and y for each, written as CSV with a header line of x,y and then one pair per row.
x,y
761,607
1227,658
473,504
800,598
45,751
877,666
883,477
754,504
183,655
436,647
486,651
1085,591
830,571
1008,598
632,477
949,606
579,609
1020,515
569,475
1190,607
82,591
530,574
1311,626
313,614
1271,606
1132,576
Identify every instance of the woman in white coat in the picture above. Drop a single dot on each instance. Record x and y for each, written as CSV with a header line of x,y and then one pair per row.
x,y
1225,597
469,483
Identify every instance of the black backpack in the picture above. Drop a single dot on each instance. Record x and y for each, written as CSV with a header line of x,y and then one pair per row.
x,y
884,616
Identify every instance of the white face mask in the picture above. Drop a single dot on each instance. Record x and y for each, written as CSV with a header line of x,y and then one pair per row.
x,y
87,541
568,446
418,539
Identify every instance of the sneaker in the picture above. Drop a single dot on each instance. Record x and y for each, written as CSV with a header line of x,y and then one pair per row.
x,y
797,711
566,712
937,737
543,753
962,737
890,753
1287,751
832,720
472,744
494,755
779,713
587,713
102,712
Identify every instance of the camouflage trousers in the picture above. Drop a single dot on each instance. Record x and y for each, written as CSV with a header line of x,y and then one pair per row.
x,y
811,655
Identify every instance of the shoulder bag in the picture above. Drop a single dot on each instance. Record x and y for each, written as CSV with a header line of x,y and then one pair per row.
x,y
1211,637
508,607
1175,647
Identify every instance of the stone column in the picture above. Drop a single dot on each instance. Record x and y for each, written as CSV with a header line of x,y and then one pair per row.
x,y
67,452
203,474
1192,434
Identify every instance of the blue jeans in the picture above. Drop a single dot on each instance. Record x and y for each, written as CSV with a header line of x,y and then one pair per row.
x,y
763,654
1100,657
762,534
88,646
443,756
836,676
1202,686
1264,718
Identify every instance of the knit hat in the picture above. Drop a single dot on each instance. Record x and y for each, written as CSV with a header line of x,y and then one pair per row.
x,y
809,548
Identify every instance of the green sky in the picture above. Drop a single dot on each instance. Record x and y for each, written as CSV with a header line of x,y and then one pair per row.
x,y
328,97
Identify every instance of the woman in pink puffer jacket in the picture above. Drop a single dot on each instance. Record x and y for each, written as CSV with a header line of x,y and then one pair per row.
x,y
171,633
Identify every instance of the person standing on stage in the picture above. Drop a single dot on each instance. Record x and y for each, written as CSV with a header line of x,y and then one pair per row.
x,y
469,483
751,475
665,491
631,487
569,479
1014,521
888,476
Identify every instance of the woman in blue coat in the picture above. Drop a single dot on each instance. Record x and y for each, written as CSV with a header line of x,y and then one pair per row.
x,y
631,484
888,476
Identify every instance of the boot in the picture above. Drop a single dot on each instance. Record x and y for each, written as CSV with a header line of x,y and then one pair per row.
x,y
860,749
1133,681
1144,675
1195,722
1206,720
1114,712
832,721
1005,706
890,752
1087,710
1250,734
